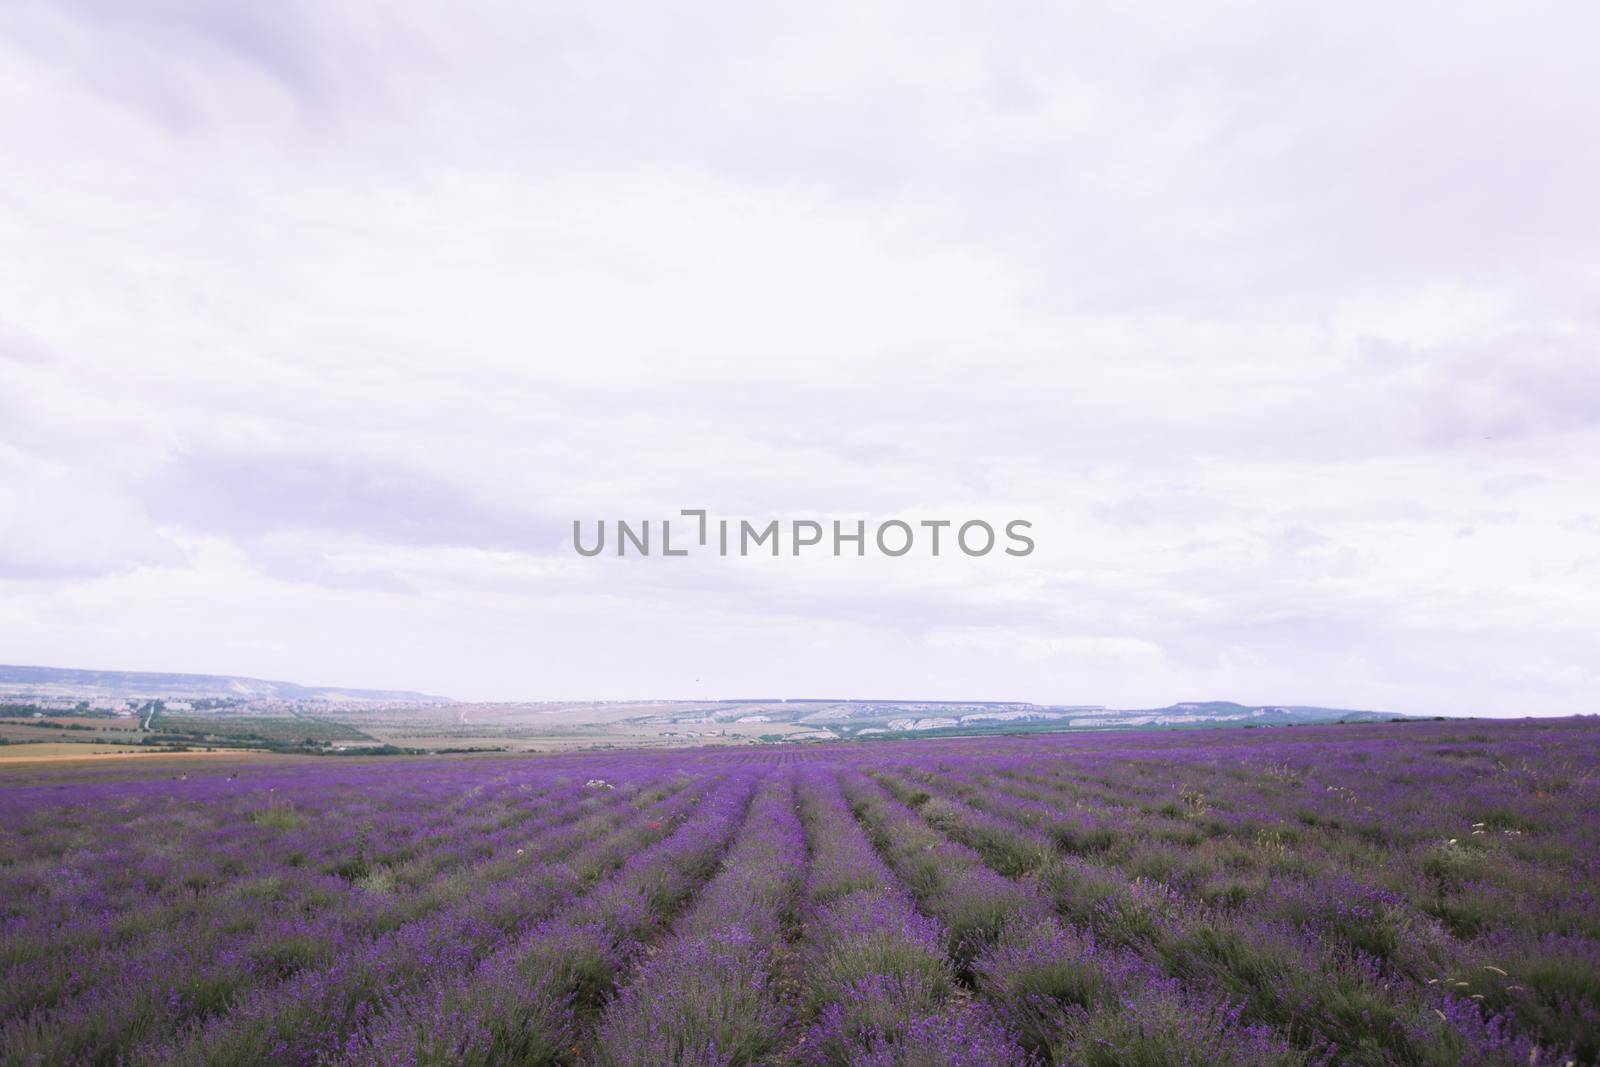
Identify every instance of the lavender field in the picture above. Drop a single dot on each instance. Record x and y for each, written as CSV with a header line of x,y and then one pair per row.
x,y
1407,893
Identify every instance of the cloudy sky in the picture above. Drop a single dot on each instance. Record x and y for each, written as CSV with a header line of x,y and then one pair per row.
x,y
321,322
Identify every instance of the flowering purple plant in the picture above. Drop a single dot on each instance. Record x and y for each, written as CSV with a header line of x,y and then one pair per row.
x,y
1416,893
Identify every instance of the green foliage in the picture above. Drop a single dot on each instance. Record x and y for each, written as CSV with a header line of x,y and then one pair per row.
x,y
279,814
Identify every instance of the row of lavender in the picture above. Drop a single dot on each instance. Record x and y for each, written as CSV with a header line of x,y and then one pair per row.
x,y
1398,894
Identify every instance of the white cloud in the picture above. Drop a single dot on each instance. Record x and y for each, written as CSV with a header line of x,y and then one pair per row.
x,y
319,330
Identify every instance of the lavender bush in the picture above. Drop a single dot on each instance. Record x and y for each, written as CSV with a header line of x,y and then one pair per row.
x,y
1387,894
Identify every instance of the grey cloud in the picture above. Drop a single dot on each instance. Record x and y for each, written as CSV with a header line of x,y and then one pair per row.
x,y
249,492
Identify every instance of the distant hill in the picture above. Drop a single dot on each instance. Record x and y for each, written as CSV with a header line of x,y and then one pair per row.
x,y
58,682
1224,712
791,718
861,718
